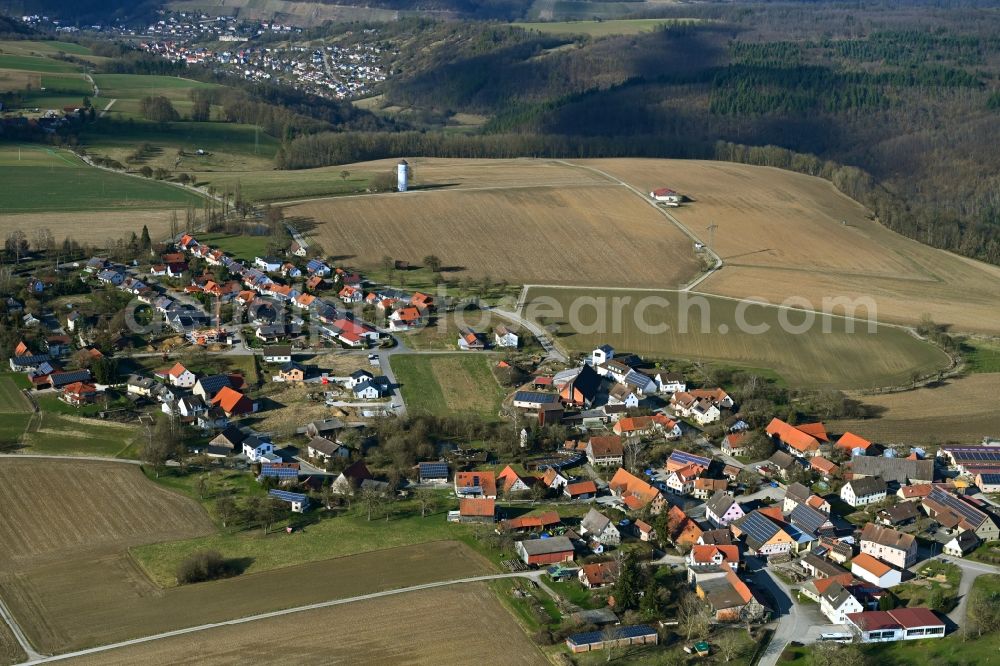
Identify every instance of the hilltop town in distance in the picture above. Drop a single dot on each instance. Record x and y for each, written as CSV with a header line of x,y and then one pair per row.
x,y
321,348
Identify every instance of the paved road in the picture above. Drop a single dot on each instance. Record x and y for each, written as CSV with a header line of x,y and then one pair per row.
x,y
791,621
970,572
108,107
35,659
544,339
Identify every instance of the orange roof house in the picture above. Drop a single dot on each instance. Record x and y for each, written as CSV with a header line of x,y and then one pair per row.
x,y
634,425
824,466
232,402
850,441
683,530
817,430
799,442
511,481
422,300
715,554
476,483
636,493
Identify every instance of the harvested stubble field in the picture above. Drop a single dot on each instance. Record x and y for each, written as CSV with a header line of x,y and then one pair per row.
x,y
98,600
786,234
10,650
55,508
425,627
960,410
526,222
815,358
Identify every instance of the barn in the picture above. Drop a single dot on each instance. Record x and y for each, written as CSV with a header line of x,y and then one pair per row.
x,y
539,552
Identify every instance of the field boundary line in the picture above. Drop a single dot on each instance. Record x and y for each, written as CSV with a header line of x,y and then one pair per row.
x,y
698,279
15,629
50,456
41,659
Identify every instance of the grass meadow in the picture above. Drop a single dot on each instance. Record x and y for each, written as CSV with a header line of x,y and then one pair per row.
x,y
445,384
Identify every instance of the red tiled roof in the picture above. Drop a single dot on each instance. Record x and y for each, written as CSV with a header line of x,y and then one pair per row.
x,y
791,436
477,507
870,564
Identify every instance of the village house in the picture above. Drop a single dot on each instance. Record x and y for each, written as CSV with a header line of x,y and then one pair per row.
x,y
469,340
706,556
900,514
888,545
961,544
864,491
636,493
511,482
259,449
233,403
180,376
795,440
795,494
605,451
837,602
866,567
722,509
599,574
956,515
643,530
140,386
683,530
595,525
763,535
405,319
580,490
291,372
476,484
729,598
681,481
78,394
622,394
505,338
634,427
705,487
207,387
351,479
734,444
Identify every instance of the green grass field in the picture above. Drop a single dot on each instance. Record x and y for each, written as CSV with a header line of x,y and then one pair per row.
x,y
28,47
270,185
12,401
444,384
323,535
35,64
67,84
600,28
981,355
813,358
38,179
137,86
58,429
243,247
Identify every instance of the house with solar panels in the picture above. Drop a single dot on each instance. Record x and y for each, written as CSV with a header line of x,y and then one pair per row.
x,y
763,535
299,502
957,515
433,472
283,472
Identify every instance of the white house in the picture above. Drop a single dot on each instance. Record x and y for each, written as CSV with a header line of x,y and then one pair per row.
x,y
888,545
860,492
259,450
602,354
670,382
278,354
866,567
837,602
268,264
622,394
503,337
681,481
368,390
595,525
181,376
722,509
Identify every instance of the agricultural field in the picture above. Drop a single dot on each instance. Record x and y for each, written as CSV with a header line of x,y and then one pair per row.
x,y
66,434
929,415
54,509
491,220
601,28
431,626
272,185
981,355
703,327
448,383
775,229
12,401
38,179
10,650
96,600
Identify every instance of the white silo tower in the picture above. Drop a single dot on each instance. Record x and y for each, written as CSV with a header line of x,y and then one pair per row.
x,y
402,175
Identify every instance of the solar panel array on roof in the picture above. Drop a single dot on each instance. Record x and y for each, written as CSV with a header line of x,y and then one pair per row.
x,y
974,453
757,527
280,470
287,496
962,508
535,396
807,519
621,633
990,479
685,458
434,470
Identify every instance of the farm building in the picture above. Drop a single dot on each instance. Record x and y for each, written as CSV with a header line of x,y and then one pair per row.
x,y
476,510
957,515
623,636
900,624
281,471
988,482
605,450
580,490
533,523
433,472
299,502
539,552
666,195
534,399
796,440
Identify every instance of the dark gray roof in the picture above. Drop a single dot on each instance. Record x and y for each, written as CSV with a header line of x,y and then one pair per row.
x,y
720,502
897,470
902,512
278,350
837,595
535,396
868,485
557,544
60,379
595,522
213,384
433,470
758,528
798,492
807,519
782,460
825,567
